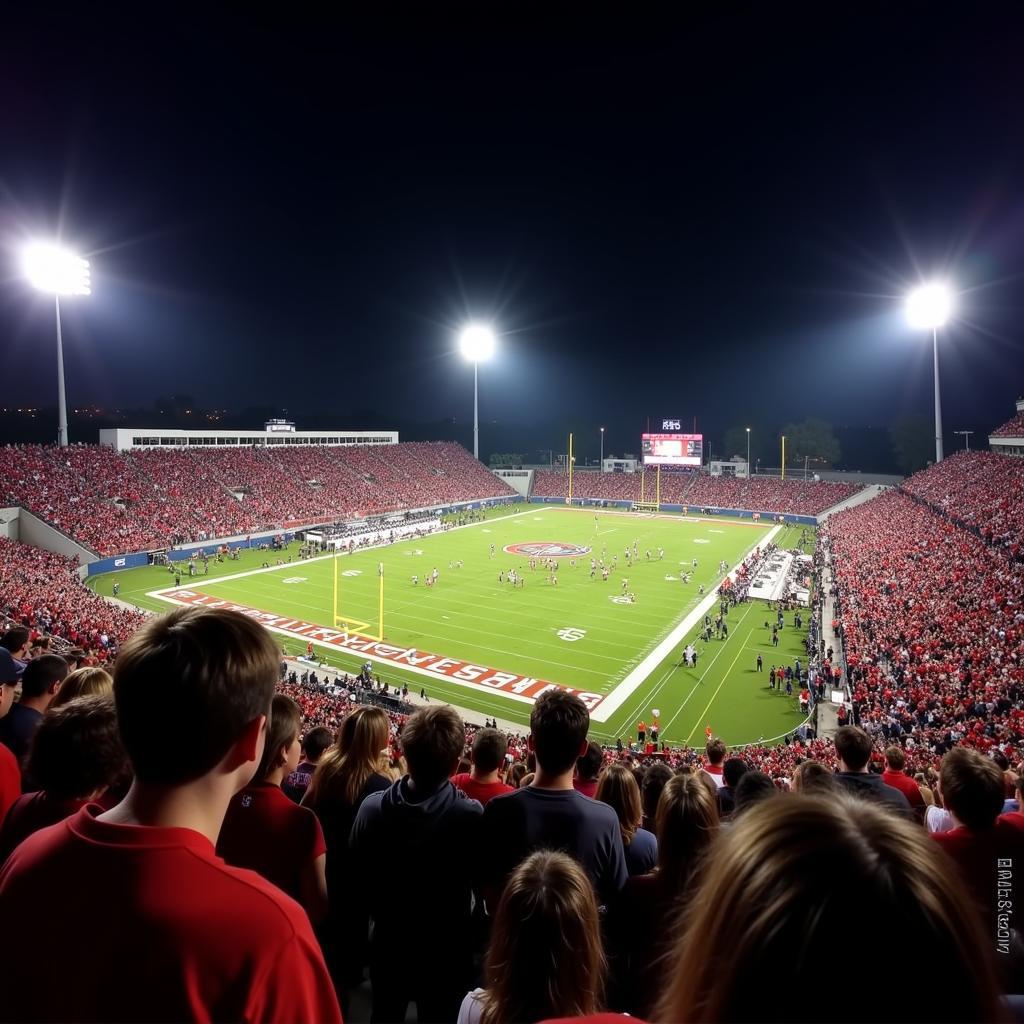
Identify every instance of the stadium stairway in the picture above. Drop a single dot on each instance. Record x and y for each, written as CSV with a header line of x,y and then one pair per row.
x,y
869,492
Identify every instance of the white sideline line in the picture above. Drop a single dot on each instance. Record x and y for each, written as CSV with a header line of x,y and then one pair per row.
x,y
639,675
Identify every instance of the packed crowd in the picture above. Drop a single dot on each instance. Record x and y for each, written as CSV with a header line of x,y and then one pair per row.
x,y
981,491
279,871
112,502
1011,428
43,591
759,494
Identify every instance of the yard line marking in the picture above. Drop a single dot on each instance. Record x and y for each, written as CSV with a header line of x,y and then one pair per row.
x,y
713,696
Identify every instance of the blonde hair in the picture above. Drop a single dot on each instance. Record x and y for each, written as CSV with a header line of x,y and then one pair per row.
x,y
618,789
356,755
799,875
545,958
83,682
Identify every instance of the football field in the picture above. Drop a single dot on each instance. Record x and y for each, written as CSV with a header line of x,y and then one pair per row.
x,y
481,643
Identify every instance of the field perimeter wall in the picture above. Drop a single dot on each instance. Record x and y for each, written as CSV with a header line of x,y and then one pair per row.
x,y
691,510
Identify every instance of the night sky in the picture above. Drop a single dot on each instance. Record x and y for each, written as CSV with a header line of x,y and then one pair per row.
x,y
712,218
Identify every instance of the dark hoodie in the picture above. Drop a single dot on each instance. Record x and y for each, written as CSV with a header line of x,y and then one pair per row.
x,y
413,858
871,787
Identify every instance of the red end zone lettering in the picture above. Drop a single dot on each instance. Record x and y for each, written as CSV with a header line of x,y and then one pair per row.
x,y
464,673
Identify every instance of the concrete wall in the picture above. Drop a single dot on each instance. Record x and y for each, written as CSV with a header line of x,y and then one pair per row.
x,y
32,530
9,524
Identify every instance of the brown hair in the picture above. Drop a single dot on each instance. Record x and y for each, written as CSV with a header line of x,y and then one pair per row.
x,y
853,745
618,789
972,787
812,777
83,682
895,758
432,740
558,728
76,750
798,875
282,731
687,825
545,958
489,749
344,768
715,749
186,686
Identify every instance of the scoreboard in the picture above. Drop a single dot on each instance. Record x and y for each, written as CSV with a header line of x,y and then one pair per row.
x,y
670,449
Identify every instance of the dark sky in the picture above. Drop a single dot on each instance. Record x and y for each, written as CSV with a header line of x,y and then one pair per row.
x,y
712,218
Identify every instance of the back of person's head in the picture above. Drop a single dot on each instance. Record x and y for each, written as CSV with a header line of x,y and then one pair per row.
x,y
687,824
343,768
76,752
798,875
733,770
715,750
655,779
853,745
619,790
15,638
752,789
43,674
895,759
489,749
545,958
432,739
516,774
972,787
588,766
1001,759
188,685
813,778
315,742
283,728
558,730
83,682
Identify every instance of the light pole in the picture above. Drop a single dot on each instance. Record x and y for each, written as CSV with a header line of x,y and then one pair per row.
x,y
477,344
929,307
748,453
602,449
966,434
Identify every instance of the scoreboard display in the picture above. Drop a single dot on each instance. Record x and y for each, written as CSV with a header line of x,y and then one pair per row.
x,y
672,449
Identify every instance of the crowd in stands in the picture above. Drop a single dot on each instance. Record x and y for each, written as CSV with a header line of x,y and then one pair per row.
x,y
1011,428
112,502
43,591
982,491
274,868
759,494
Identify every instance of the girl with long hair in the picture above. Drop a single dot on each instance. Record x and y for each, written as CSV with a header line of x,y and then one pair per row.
x,y
617,787
545,958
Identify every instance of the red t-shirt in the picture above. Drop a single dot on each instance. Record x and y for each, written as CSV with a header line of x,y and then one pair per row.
x,y
160,926
266,832
10,779
482,791
30,813
588,787
905,784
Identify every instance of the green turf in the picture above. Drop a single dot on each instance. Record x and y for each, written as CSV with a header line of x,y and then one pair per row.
x,y
469,615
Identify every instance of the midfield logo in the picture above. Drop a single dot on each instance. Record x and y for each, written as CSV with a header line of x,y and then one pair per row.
x,y
547,549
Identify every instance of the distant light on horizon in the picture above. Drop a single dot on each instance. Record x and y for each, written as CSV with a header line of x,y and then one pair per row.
x,y
929,306
55,270
477,342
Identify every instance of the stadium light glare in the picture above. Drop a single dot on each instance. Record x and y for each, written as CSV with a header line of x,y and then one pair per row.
x,y
928,308
476,341
57,271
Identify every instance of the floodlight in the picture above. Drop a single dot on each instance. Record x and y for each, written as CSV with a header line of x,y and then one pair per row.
x,y
929,306
477,343
55,270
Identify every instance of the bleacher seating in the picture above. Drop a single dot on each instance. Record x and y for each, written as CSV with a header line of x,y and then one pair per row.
x,y
1011,428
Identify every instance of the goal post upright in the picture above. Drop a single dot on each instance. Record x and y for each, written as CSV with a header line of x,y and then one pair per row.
x,y
380,601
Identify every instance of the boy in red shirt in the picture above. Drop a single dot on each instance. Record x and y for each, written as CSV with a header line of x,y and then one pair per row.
x,y
10,772
488,755
160,925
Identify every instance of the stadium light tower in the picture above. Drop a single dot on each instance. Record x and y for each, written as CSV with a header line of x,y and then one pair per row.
x,y
477,344
602,449
748,453
57,272
929,307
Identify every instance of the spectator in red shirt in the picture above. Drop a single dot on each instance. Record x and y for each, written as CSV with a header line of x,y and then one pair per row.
x,y
895,776
76,755
265,831
715,750
10,772
770,903
588,767
191,936
481,782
